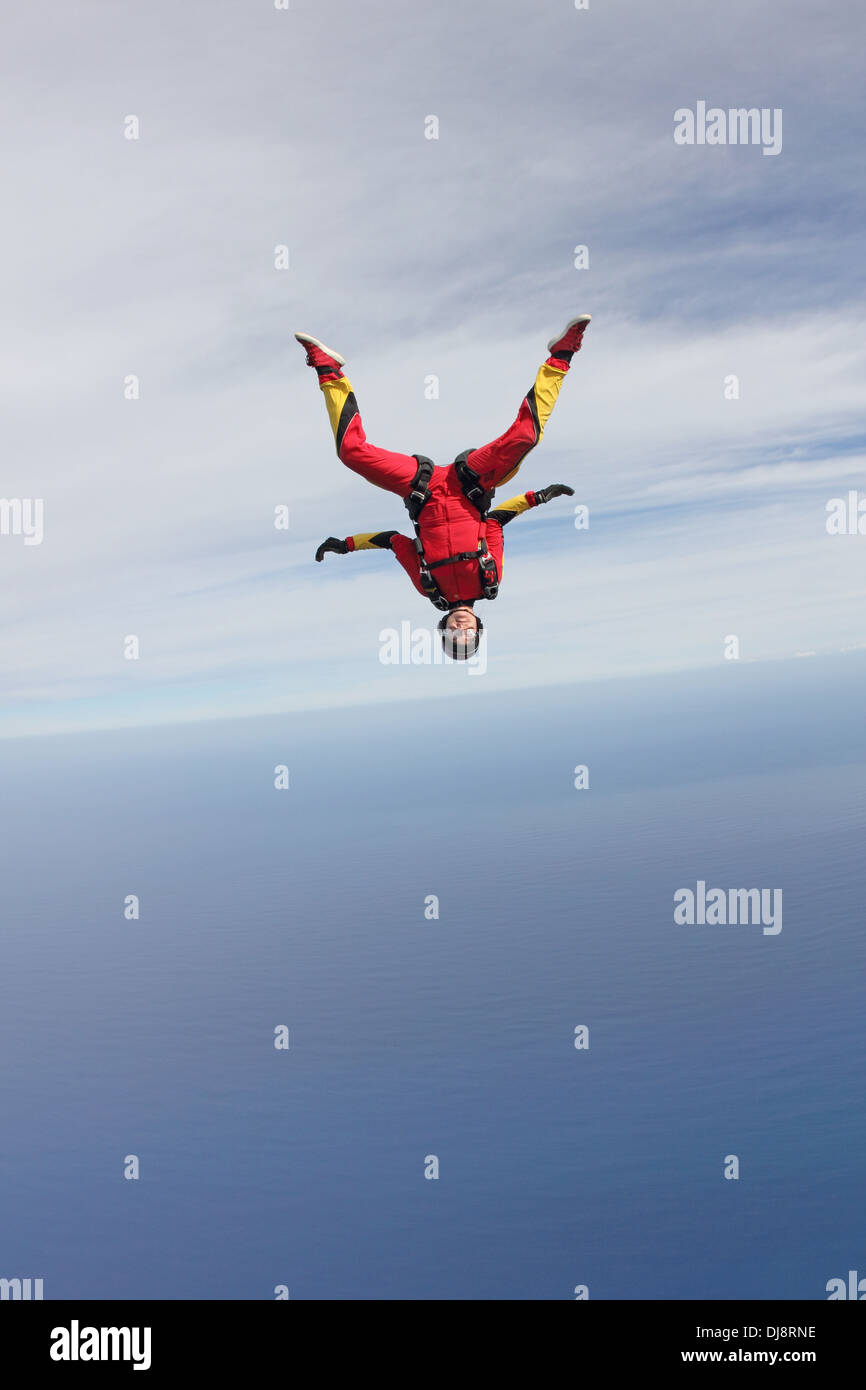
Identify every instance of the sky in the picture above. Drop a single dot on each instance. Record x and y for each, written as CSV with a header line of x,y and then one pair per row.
x,y
260,127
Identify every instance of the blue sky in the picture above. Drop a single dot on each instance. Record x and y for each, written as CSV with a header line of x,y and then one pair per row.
x,y
451,257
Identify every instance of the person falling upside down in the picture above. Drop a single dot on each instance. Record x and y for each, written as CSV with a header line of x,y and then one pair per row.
x,y
457,555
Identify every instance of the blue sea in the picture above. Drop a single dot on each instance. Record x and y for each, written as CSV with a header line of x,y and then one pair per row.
x,y
431,909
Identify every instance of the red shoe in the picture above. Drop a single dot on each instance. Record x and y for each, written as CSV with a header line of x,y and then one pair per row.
x,y
326,362
570,339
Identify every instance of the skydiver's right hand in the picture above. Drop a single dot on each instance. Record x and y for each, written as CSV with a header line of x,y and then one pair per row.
x,y
332,543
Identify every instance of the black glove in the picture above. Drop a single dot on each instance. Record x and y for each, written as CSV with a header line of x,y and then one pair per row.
x,y
332,543
544,494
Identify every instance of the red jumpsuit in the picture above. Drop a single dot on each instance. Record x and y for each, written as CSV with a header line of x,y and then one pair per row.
x,y
448,523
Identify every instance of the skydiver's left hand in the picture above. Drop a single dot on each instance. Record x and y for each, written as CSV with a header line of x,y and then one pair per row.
x,y
333,544
544,494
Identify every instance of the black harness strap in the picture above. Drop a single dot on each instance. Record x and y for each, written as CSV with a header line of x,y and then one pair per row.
x,y
453,559
479,497
418,497
419,492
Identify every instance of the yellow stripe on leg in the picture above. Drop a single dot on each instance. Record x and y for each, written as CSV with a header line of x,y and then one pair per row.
x,y
335,393
547,384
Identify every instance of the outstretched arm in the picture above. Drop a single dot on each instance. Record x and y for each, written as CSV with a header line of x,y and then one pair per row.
x,y
365,540
507,511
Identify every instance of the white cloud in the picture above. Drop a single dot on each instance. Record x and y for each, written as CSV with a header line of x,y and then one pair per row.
x,y
413,257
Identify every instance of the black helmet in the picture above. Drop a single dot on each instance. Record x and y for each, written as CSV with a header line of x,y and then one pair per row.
x,y
460,643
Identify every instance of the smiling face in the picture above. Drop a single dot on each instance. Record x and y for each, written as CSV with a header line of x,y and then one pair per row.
x,y
462,618
461,633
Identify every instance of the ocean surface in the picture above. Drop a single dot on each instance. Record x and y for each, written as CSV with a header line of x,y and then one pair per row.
x,y
414,1035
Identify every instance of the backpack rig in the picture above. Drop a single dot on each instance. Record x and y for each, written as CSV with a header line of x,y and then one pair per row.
x,y
479,498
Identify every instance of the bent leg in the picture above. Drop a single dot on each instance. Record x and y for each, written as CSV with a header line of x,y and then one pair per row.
x,y
394,472
497,462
